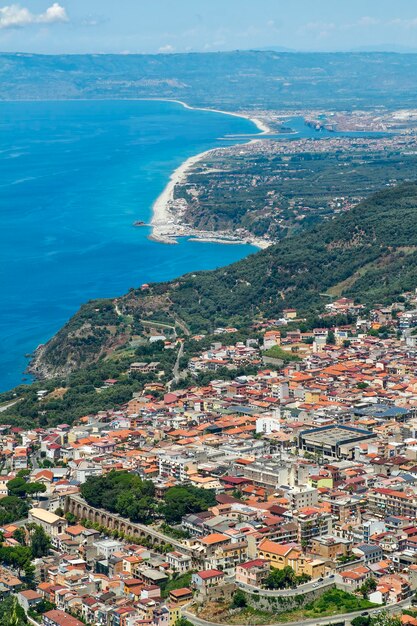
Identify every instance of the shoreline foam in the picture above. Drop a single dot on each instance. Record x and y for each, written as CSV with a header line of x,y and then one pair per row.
x,y
164,222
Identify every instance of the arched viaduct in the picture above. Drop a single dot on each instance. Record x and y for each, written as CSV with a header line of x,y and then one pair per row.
x,y
82,510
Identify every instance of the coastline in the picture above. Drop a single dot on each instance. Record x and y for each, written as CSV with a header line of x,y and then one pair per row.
x,y
165,223
261,126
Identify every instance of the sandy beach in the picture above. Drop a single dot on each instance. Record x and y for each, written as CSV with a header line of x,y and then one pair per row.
x,y
263,128
165,222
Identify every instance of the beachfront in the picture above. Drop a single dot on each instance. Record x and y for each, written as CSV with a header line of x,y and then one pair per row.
x,y
166,211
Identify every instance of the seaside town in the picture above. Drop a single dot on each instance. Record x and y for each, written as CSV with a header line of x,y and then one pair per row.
x,y
196,434
265,497
261,191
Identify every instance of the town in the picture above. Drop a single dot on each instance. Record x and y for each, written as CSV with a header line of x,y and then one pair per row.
x,y
281,495
275,186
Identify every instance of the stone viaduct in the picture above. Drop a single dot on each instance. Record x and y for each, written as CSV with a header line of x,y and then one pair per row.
x,y
82,510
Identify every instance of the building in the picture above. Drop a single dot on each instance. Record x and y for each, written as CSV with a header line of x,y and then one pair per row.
x,y
179,562
284,555
205,579
28,599
301,496
177,466
181,596
371,527
408,319
333,442
312,522
392,502
107,547
268,424
290,314
330,547
272,474
277,555
52,524
56,617
369,552
253,572
354,578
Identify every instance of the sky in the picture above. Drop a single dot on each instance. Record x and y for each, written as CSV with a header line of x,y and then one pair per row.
x,y
169,26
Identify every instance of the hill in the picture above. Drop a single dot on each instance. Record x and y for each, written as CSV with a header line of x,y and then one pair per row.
x,y
233,80
369,253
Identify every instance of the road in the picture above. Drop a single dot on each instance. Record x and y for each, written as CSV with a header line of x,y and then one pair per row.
x,y
317,621
176,375
183,326
7,406
176,370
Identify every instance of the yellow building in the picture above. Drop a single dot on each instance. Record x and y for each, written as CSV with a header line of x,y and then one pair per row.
x,y
278,554
290,314
312,567
174,614
283,555
312,396
318,481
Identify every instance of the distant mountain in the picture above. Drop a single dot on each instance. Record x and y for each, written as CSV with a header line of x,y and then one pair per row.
x,y
229,80
389,47
276,49
369,253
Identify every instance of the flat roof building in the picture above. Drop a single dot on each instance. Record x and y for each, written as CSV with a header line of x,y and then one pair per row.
x,y
333,442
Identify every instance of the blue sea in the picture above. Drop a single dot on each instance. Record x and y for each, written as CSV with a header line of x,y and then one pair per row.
x,y
74,178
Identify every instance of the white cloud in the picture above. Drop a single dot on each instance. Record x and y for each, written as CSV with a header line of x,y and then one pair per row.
x,y
166,49
367,20
319,26
16,16
411,23
321,30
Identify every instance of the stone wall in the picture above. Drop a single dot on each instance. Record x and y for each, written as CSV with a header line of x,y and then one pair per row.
x,y
220,593
279,604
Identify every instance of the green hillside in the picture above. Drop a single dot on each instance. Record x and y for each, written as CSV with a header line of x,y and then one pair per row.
x,y
373,248
369,253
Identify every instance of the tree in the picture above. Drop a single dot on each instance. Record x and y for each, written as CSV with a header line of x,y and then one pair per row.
x,y
361,620
183,621
368,587
20,487
285,578
43,606
182,500
11,613
17,487
29,575
40,543
331,339
239,600
385,619
20,536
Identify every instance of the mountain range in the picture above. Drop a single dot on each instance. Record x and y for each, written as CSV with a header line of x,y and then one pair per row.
x,y
230,80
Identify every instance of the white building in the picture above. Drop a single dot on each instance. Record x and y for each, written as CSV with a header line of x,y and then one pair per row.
x,y
107,547
268,424
302,496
